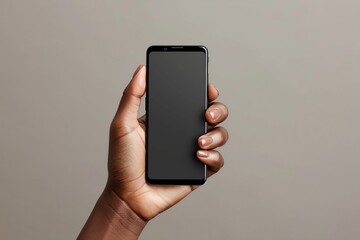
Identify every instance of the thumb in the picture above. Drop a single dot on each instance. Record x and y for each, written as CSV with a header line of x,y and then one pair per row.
x,y
131,99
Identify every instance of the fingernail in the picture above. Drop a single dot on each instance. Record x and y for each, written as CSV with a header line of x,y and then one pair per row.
x,y
206,141
215,114
203,153
217,91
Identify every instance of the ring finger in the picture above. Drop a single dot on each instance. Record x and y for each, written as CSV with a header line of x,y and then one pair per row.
x,y
215,138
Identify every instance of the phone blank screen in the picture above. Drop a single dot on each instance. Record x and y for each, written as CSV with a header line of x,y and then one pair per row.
x,y
176,104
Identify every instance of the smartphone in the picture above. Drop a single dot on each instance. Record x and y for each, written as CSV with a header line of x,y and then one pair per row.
x,y
176,101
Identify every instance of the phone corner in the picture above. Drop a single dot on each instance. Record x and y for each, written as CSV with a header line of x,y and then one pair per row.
x,y
204,48
203,181
147,178
150,49
200,181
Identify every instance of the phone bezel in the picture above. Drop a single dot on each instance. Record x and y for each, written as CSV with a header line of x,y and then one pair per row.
x,y
175,48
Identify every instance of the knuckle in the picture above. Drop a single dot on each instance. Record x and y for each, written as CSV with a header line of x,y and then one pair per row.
x,y
222,164
218,160
224,133
226,110
222,161
117,127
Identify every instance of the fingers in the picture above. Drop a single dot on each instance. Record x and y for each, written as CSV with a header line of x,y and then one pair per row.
x,y
130,101
215,138
216,113
213,160
213,93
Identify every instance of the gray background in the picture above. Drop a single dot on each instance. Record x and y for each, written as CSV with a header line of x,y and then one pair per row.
x,y
288,70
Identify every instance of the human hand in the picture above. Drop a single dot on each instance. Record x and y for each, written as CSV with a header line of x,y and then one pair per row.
x,y
126,163
128,201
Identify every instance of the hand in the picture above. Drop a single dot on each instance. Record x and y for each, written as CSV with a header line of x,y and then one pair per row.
x,y
126,163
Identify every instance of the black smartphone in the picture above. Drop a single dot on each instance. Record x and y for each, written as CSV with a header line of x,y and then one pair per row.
x,y
176,101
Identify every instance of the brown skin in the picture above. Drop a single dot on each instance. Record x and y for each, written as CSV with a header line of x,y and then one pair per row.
x,y
128,201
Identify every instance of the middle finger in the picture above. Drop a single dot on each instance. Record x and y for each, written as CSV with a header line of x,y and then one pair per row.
x,y
216,113
215,138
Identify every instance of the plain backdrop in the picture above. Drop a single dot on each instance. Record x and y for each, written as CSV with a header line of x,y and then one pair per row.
x,y
289,71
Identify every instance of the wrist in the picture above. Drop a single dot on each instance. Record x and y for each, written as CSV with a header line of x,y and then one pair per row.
x,y
120,215
112,218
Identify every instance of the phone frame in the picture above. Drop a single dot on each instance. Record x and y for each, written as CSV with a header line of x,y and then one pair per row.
x,y
176,48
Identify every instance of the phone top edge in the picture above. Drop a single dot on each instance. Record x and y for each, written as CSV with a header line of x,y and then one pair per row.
x,y
177,48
